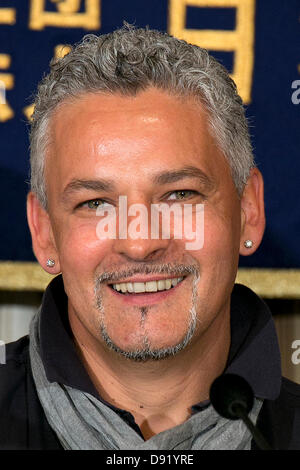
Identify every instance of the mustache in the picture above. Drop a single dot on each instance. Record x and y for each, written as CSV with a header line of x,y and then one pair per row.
x,y
168,268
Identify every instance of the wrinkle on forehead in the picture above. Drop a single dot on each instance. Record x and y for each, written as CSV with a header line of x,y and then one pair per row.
x,y
151,131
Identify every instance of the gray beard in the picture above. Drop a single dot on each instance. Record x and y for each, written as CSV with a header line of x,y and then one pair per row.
x,y
146,352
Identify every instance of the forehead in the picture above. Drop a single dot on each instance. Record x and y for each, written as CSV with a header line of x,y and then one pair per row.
x,y
101,132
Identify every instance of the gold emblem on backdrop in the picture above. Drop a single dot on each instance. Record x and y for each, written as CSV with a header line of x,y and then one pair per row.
x,y
67,14
7,16
240,41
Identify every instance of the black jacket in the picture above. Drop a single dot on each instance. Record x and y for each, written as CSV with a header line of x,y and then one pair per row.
x,y
254,354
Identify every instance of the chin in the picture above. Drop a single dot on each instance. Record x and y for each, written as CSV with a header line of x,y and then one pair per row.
x,y
147,350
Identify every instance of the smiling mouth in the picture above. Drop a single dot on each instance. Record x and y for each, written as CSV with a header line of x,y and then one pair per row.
x,y
146,287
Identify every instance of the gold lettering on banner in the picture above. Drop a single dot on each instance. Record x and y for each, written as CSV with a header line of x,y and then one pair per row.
x,y
7,16
7,83
240,41
59,52
28,111
66,16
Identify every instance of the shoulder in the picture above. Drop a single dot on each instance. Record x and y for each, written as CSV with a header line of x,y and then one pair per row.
x,y
17,349
15,358
13,393
23,424
289,399
291,389
14,370
289,396
279,419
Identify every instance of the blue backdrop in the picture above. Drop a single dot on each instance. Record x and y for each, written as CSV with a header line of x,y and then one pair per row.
x,y
264,57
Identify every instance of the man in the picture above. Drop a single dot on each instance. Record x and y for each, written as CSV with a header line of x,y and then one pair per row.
x,y
131,335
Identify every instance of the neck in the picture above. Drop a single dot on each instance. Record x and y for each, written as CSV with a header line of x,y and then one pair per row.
x,y
159,394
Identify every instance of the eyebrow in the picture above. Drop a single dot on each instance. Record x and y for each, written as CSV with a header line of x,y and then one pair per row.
x,y
165,177
92,185
185,172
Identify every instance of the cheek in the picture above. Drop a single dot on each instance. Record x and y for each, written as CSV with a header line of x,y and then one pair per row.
x,y
220,239
79,247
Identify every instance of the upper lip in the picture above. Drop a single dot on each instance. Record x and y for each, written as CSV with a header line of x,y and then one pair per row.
x,y
155,277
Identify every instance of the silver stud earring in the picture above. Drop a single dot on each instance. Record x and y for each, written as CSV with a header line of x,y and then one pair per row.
x,y
248,243
50,263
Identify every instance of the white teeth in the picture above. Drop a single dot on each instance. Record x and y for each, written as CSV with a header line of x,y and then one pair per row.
x,y
150,286
123,287
138,287
129,286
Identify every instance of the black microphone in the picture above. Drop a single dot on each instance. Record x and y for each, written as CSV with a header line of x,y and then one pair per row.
x,y
233,398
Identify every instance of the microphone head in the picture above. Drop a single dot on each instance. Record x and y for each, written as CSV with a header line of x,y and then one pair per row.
x,y
229,391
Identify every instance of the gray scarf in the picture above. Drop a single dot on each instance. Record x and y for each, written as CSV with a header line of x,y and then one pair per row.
x,y
82,422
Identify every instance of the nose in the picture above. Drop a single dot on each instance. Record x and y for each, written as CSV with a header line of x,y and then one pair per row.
x,y
135,239
141,250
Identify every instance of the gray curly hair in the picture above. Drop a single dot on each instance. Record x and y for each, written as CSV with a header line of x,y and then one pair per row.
x,y
128,61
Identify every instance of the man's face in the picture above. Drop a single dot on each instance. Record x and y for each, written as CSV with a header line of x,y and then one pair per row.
x,y
151,148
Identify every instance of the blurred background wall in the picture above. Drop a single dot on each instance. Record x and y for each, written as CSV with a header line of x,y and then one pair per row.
x,y
258,41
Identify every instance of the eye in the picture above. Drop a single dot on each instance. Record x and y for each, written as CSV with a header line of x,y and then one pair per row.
x,y
182,194
93,204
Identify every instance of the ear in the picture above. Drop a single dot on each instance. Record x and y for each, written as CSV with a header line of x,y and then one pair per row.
x,y
41,233
252,212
